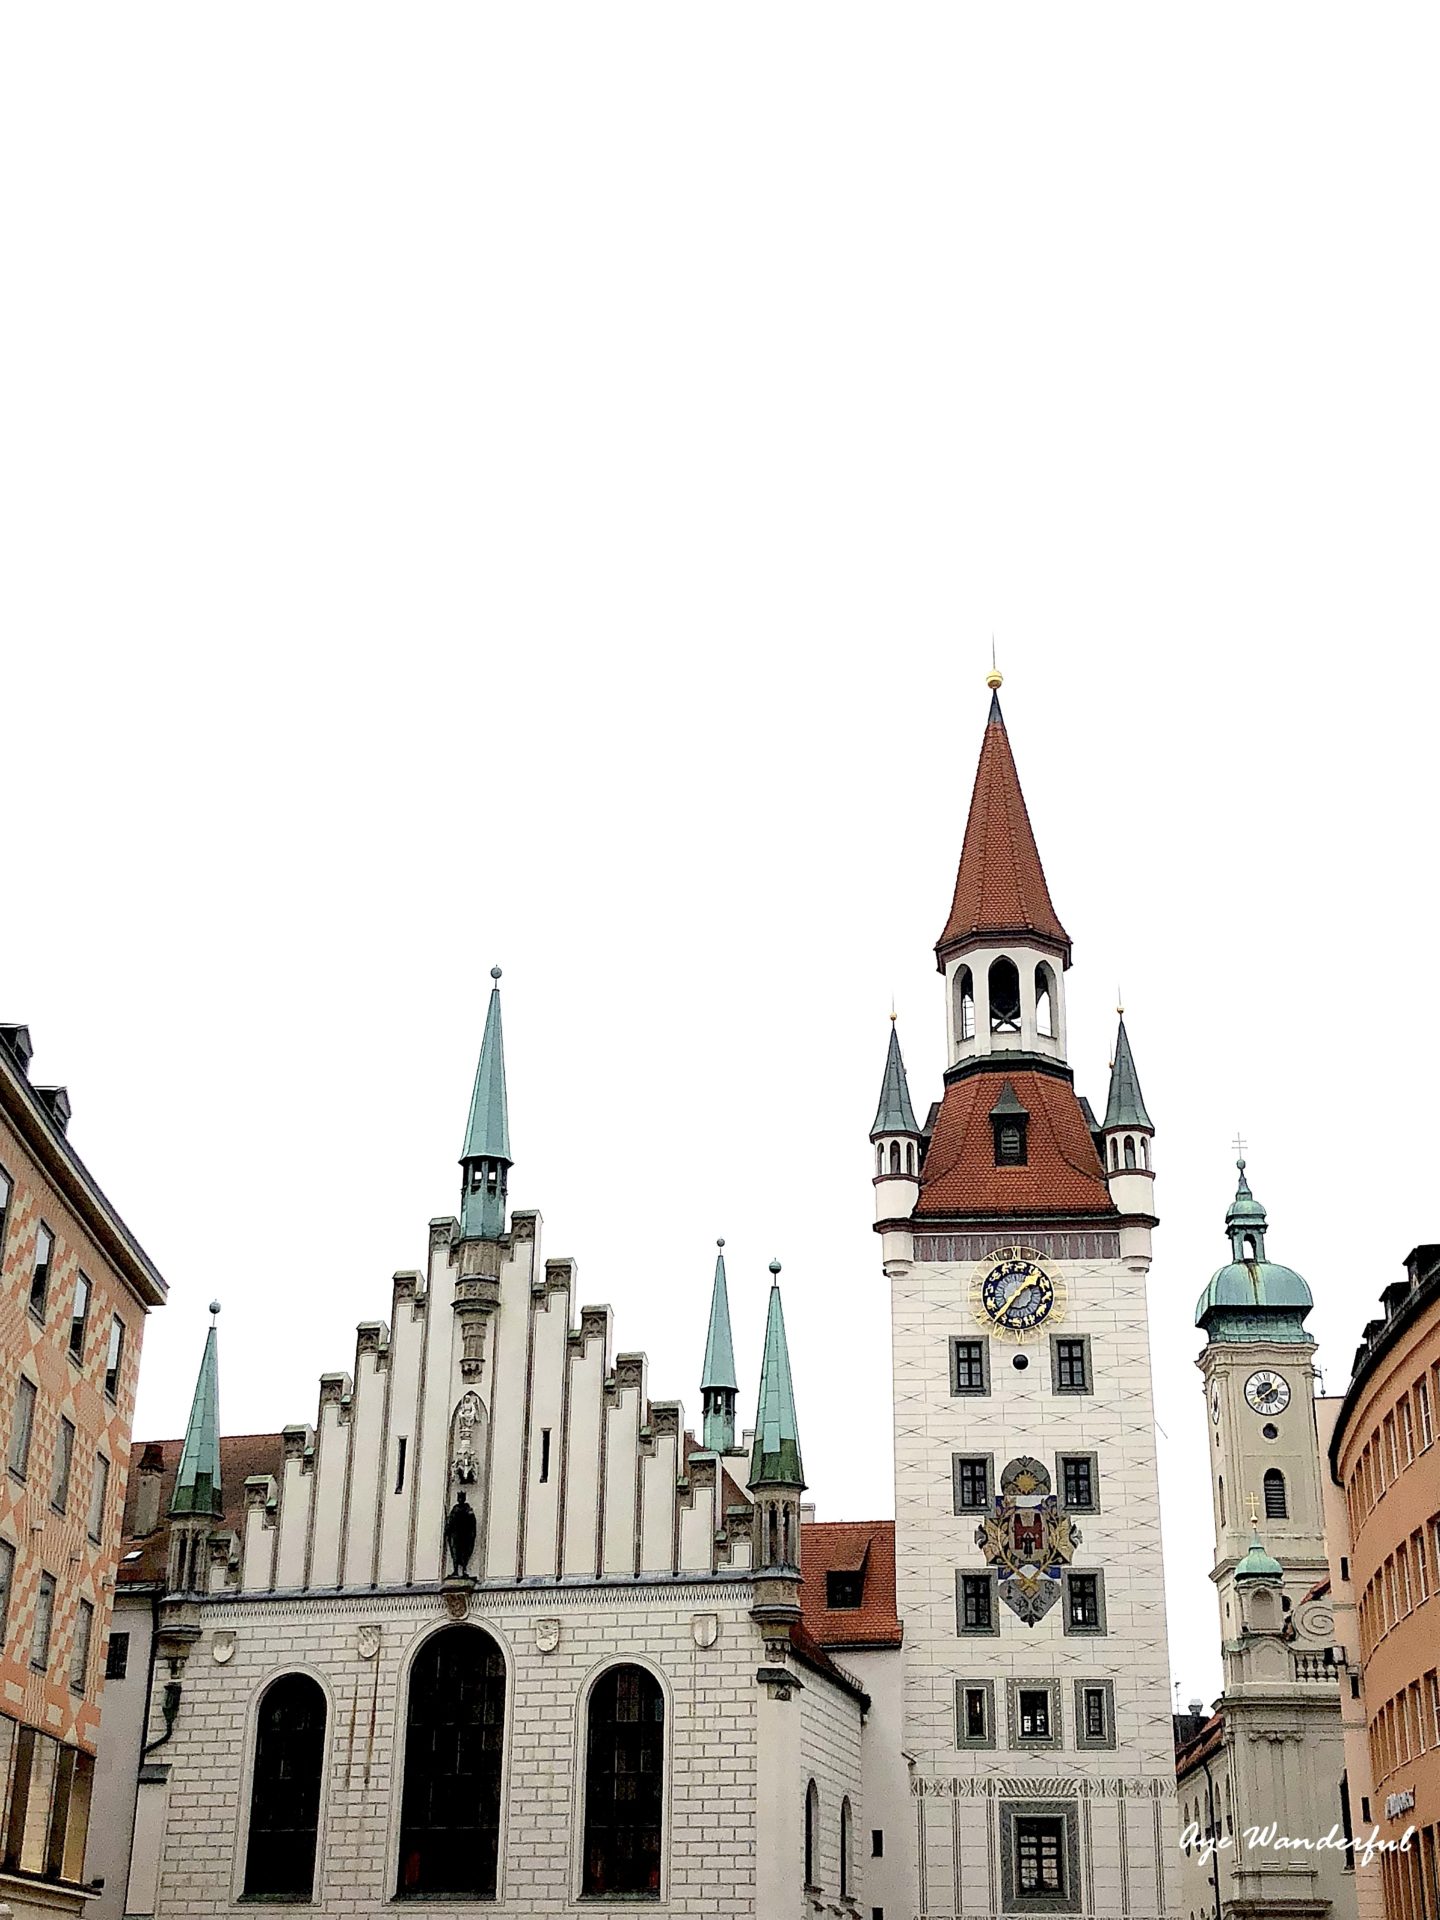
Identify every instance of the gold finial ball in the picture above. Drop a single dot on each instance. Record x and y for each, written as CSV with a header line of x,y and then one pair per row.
x,y
994,679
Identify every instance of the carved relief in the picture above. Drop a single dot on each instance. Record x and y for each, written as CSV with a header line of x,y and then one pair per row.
x,y
547,1635
705,1628
222,1647
367,1642
456,1601
467,1442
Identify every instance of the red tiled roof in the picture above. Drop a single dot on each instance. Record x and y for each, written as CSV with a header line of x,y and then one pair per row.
x,y
1062,1173
241,1454
1207,1741
1000,886
845,1546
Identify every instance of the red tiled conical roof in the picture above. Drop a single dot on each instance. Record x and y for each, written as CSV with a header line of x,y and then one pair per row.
x,y
1000,889
1062,1172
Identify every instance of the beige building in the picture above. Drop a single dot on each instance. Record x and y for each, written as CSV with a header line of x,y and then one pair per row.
x,y
77,1287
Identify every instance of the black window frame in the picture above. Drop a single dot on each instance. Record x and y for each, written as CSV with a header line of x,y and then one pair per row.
x,y
968,1582
117,1656
456,1706
1089,1575
1085,1735
967,1472
981,1345
1276,1494
1046,1835
1062,1358
1064,1462
79,1322
287,1790
968,1692
638,1844
840,1584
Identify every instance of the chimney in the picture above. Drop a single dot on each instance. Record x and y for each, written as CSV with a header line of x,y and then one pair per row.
x,y
56,1101
17,1041
1197,1707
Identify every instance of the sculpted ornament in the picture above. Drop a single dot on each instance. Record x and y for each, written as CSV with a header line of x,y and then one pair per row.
x,y
367,1642
705,1628
222,1647
1028,1540
547,1635
469,1426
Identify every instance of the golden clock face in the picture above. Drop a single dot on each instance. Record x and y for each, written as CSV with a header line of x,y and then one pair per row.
x,y
1013,1294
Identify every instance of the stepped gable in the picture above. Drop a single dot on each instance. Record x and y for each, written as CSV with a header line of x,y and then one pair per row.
x,y
1062,1174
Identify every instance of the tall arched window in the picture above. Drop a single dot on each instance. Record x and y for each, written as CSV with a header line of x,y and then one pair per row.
x,y
1220,1481
910,1157
880,1158
1004,996
1275,1507
1114,1154
1144,1153
624,1783
285,1790
845,1848
964,992
1129,1150
894,1156
812,1831
1044,1002
454,1748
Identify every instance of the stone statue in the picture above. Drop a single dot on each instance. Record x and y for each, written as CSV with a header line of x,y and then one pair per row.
x,y
460,1535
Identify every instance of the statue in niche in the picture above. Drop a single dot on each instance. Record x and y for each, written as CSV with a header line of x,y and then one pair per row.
x,y
460,1536
467,1442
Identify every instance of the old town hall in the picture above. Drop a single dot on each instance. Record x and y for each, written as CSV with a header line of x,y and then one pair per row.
x,y
499,1630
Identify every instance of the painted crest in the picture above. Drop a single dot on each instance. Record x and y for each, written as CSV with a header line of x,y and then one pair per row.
x,y
222,1647
1028,1540
705,1628
547,1635
367,1642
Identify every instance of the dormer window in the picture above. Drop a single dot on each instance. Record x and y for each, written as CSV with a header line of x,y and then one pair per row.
x,y
845,1590
1010,1145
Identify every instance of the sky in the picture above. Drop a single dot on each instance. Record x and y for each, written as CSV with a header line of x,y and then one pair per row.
x,y
537,486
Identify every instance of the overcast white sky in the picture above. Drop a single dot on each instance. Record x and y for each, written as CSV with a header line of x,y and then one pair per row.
x,y
537,485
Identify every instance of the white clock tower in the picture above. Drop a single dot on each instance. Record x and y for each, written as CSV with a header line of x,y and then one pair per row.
x,y
1028,1563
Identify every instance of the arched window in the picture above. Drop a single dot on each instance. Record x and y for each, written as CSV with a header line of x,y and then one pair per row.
x,y
1220,1481
1144,1153
285,1790
624,1783
1044,1002
454,1742
1129,1150
1004,996
812,1827
880,1159
964,992
1275,1507
910,1158
845,1849
894,1156
1114,1154
1248,1248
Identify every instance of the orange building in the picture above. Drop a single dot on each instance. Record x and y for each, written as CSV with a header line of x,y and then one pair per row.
x,y
76,1290
1384,1456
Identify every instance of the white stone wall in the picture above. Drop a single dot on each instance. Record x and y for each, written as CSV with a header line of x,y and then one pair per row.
x,y
830,1741
117,1755
713,1710
957,1811
889,1880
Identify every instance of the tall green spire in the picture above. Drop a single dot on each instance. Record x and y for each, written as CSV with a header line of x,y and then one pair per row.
x,y
718,1386
1126,1106
775,1459
894,1113
197,1479
486,1158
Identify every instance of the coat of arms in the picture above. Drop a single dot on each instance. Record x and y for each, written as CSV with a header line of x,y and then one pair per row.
x,y
1028,1540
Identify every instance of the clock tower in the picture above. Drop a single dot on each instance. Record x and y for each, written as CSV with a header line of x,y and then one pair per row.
x,y
1028,1564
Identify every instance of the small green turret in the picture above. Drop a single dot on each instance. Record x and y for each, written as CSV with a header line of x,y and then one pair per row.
x,y
718,1387
197,1478
1252,1298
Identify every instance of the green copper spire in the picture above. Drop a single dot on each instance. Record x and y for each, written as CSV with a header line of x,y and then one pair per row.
x,y
1258,1564
894,1113
1252,1298
486,1158
1126,1106
718,1387
775,1460
197,1479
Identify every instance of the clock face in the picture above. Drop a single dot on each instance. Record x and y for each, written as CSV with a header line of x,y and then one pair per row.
x,y
1266,1392
1013,1294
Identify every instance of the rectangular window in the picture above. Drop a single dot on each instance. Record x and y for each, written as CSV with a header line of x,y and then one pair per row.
x,y
975,1603
1034,1713
80,1652
1432,1684
22,1426
113,1358
401,1445
40,1273
1094,1718
117,1656
7,1576
877,1843
845,1590
1427,1420
5,1191
64,1454
1077,1482
971,1475
1084,1603
544,1454
1040,1856
1070,1363
1392,1451
970,1366
974,1713
1407,1431
44,1614
99,1489
79,1316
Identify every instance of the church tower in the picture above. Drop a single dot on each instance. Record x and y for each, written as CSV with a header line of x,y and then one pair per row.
x,y
1028,1562
1283,1758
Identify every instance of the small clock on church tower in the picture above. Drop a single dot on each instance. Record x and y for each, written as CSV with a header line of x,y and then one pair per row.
x,y
1267,1392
